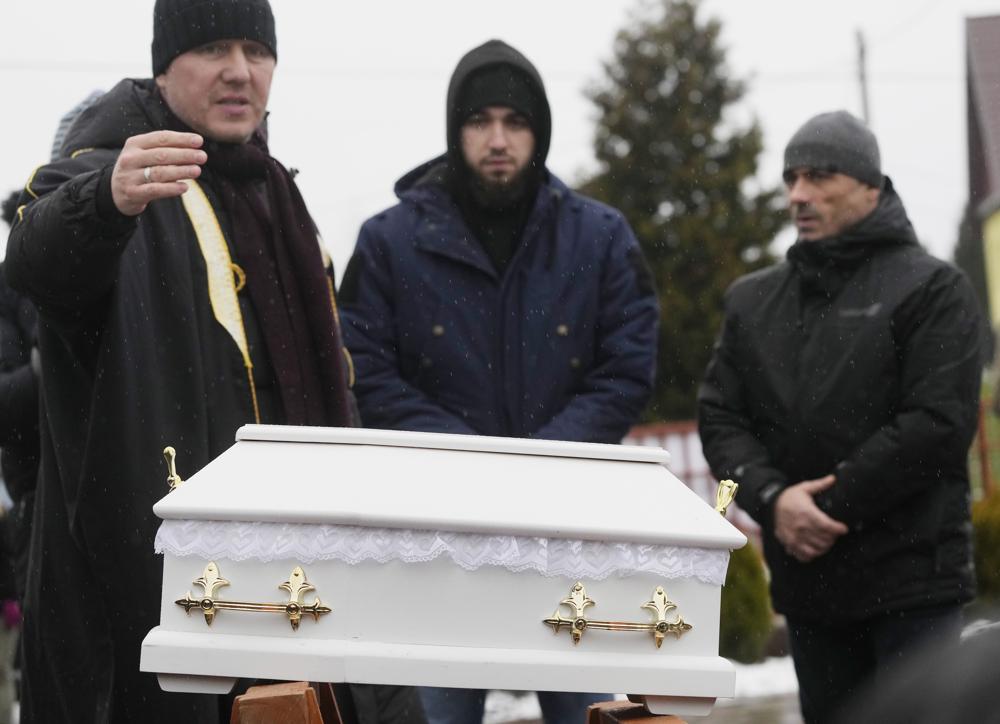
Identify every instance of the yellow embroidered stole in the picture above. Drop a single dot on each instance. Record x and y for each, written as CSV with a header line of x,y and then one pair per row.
x,y
221,271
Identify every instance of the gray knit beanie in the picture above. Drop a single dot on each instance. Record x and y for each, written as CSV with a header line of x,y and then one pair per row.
x,y
182,25
836,142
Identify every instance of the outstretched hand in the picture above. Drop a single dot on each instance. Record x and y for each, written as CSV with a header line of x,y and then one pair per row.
x,y
800,526
155,166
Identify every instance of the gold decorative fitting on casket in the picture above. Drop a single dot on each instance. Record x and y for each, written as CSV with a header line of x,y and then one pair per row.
x,y
579,601
296,585
173,479
725,494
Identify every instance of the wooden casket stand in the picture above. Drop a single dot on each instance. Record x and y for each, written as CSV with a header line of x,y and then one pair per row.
x,y
299,703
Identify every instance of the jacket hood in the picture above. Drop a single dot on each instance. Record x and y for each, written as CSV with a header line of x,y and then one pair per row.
x,y
886,224
411,179
489,54
131,107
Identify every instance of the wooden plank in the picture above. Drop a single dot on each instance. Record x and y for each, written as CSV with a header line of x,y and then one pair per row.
x,y
614,712
291,703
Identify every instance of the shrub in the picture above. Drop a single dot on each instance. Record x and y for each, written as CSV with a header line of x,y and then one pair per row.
x,y
746,607
986,532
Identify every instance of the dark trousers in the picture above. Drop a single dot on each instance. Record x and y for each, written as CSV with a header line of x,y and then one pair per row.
x,y
466,706
834,660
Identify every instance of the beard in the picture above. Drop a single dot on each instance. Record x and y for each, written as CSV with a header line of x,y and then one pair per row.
x,y
493,193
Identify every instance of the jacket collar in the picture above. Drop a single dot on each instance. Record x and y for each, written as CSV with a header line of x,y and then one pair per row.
x,y
885,227
825,265
442,230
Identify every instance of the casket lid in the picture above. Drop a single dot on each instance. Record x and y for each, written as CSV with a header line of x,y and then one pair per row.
x,y
462,483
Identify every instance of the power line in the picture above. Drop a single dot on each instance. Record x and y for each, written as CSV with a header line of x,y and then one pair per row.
x,y
907,23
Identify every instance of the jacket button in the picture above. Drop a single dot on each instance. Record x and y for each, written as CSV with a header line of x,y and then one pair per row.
x,y
437,330
426,362
562,330
575,363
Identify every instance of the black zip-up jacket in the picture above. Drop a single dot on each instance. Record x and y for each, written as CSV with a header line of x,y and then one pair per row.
x,y
859,356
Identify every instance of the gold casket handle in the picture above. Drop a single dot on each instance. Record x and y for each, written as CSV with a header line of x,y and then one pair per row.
x,y
579,601
296,585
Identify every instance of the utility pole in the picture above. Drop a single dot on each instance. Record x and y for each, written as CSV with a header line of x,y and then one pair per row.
x,y
863,77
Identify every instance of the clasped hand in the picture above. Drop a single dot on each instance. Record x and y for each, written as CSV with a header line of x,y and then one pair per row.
x,y
800,526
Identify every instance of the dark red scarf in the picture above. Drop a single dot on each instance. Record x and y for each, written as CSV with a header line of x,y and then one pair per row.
x,y
277,246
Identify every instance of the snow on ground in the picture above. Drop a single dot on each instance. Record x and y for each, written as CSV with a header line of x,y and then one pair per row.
x,y
980,625
772,677
507,706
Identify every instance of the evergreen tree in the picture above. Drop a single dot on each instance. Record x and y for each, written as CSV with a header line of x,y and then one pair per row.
x,y
672,159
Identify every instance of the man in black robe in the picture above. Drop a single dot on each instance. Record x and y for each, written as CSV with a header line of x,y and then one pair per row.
x,y
182,292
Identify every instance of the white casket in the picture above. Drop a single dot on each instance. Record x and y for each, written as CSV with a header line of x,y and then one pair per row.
x,y
371,556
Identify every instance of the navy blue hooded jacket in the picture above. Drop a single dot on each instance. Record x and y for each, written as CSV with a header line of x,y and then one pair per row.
x,y
560,346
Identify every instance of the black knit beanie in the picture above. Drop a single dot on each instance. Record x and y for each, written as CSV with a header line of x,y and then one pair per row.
x,y
182,25
836,142
500,85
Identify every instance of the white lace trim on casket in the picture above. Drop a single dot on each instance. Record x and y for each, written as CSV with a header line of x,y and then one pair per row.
x,y
237,541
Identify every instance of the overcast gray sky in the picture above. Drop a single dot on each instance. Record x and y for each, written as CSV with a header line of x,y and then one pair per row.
x,y
358,97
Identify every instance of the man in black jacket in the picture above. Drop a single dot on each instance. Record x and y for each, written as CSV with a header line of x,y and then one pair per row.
x,y
18,460
182,292
18,416
842,397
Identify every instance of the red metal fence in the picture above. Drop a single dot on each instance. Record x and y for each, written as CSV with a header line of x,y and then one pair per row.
x,y
688,463
984,451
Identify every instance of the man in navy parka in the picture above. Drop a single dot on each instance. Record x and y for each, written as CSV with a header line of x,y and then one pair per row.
x,y
492,299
